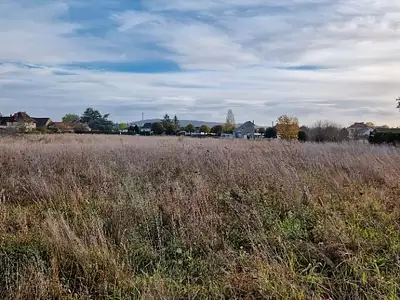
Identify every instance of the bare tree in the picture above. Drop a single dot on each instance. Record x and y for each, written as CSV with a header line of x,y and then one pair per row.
x,y
230,124
230,118
325,131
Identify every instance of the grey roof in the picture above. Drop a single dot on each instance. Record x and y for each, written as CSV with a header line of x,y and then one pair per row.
x,y
41,122
4,120
147,125
245,124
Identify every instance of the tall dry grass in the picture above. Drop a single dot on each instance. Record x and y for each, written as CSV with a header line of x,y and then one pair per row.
x,y
161,218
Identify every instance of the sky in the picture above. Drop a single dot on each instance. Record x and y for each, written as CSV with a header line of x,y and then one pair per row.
x,y
335,60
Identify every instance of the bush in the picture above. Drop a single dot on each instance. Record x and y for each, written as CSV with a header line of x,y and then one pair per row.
x,y
302,136
385,137
271,133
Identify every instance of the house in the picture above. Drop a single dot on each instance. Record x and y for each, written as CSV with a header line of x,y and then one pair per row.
x,y
69,127
18,122
360,130
42,123
146,128
246,130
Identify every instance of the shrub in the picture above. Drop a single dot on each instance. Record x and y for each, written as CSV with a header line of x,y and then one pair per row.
x,y
389,136
303,137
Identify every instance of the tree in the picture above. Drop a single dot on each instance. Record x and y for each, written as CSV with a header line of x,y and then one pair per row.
x,y
166,119
271,133
204,128
344,135
170,128
176,122
136,129
230,118
398,104
190,128
157,128
261,130
288,127
74,118
302,136
133,130
97,121
325,131
370,124
122,126
230,123
217,129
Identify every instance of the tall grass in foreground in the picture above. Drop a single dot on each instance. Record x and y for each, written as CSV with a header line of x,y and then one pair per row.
x,y
158,218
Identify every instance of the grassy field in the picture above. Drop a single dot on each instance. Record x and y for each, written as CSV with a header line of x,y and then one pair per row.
x,y
92,217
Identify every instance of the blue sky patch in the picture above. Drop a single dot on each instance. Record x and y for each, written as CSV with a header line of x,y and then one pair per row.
x,y
129,67
304,68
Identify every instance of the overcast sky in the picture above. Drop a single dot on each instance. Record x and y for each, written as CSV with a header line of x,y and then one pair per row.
x,y
316,59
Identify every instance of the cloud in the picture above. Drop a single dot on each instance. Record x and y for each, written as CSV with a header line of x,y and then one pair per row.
x,y
316,59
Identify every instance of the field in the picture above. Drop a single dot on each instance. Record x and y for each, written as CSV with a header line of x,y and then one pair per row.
x,y
106,217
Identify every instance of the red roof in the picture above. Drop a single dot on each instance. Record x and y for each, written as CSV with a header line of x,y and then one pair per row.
x,y
359,125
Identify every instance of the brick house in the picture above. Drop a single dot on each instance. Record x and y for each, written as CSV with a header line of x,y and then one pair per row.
x,y
18,122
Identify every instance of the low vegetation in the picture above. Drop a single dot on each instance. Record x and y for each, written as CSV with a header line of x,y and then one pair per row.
x,y
107,217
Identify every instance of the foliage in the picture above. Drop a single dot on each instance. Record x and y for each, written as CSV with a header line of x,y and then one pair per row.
x,y
133,130
157,128
228,128
217,129
230,119
205,129
344,135
166,120
97,121
302,136
385,137
170,127
190,128
325,131
74,118
262,130
288,127
230,123
271,133
111,217
122,126
176,123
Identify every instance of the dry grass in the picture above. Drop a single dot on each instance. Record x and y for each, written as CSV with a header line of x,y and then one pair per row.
x,y
157,218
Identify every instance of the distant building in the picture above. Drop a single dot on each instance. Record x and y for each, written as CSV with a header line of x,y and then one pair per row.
x,y
359,131
42,123
246,130
228,136
18,122
69,127
146,128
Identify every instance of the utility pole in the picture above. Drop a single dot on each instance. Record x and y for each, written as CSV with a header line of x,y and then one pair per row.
x,y
142,116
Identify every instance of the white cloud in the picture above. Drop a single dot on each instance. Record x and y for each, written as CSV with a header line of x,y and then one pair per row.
x,y
232,53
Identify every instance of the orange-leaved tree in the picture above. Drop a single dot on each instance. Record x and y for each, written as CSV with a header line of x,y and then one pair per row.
x,y
288,127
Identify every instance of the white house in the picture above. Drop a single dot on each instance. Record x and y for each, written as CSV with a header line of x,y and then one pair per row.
x,y
360,130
